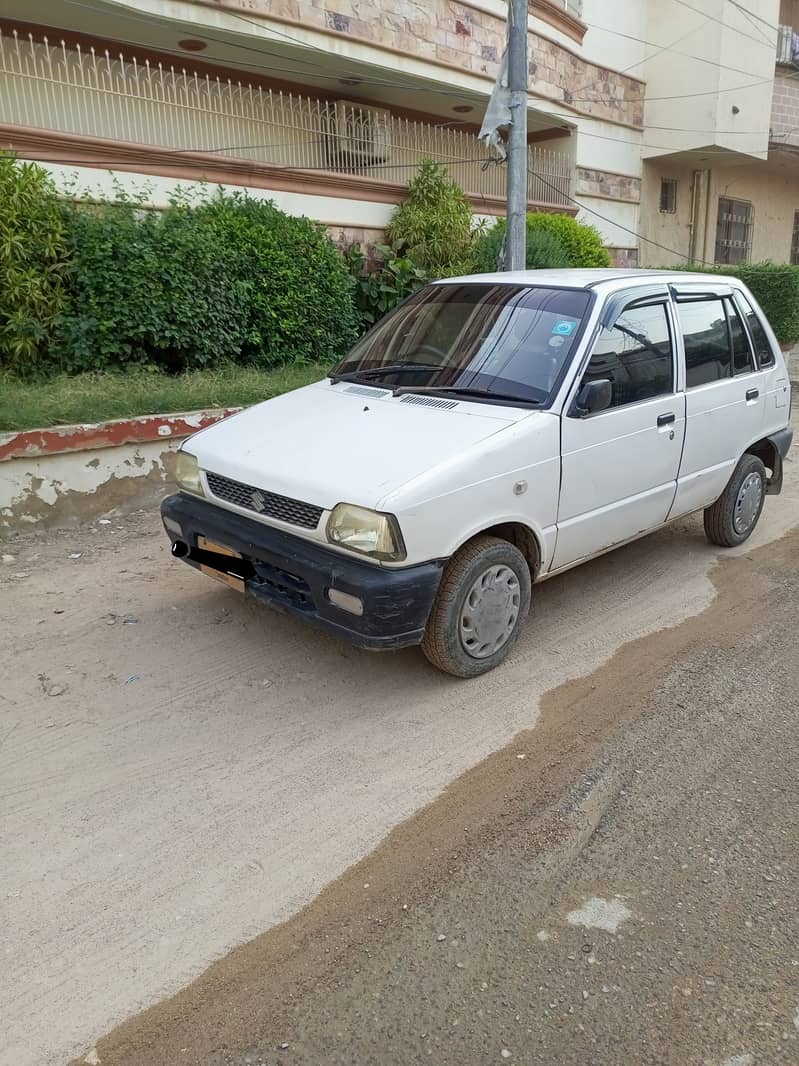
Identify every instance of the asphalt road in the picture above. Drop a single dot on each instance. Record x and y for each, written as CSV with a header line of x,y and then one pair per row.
x,y
182,772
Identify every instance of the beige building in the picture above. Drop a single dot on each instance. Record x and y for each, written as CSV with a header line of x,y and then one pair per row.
x,y
657,120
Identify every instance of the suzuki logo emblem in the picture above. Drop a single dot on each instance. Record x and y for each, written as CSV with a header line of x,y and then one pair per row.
x,y
258,501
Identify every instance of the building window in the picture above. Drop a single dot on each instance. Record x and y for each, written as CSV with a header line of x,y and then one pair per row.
x,y
668,196
734,226
795,240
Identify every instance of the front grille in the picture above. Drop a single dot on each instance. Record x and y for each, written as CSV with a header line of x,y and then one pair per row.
x,y
294,512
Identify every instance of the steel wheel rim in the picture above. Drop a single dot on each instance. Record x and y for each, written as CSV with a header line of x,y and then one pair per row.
x,y
747,502
490,611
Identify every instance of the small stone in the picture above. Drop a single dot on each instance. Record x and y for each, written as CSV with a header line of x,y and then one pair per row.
x,y
58,610
92,1058
459,965
441,938
56,690
505,1053
366,885
23,573
585,995
521,756
284,1047
8,559
605,988
483,986
542,935
404,906
105,522
75,555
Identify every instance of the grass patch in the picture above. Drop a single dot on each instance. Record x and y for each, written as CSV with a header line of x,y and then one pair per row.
x,y
65,399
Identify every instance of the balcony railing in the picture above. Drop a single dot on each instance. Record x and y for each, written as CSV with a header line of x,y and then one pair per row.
x,y
110,96
788,46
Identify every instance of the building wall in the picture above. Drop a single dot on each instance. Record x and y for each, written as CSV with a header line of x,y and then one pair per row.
x,y
772,188
724,59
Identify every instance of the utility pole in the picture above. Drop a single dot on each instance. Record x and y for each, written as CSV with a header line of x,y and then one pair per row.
x,y
515,258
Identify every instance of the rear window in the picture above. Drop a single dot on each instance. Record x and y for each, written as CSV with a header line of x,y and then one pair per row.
x,y
708,354
765,356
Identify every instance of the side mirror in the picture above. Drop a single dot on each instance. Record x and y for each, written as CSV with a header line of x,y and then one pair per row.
x,y
594,396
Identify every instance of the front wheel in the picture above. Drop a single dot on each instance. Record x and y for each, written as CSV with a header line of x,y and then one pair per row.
x,y
481,605
731,519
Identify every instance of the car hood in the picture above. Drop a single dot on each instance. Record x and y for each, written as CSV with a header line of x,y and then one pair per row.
x,y
327,444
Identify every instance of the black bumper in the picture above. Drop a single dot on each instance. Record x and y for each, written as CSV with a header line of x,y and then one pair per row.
x,y
781,442
294,575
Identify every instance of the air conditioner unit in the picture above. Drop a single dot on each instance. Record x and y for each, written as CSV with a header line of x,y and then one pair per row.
x,y
359,133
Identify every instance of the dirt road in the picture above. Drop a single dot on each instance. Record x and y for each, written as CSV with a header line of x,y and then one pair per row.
x,y
181,771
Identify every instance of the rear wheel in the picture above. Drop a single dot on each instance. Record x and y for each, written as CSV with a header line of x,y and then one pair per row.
x,y
734,515
482,603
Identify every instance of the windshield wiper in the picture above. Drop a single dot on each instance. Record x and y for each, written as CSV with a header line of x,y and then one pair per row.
x,y
463,390
378,371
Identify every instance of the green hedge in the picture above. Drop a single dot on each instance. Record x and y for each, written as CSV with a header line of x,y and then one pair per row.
x,y
552,241
98,286
32,261
775,286
231,280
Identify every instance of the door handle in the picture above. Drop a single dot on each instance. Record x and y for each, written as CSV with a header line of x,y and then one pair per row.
x,y
752,394
664,420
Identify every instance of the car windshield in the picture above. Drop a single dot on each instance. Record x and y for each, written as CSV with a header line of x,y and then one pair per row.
x,y
482,340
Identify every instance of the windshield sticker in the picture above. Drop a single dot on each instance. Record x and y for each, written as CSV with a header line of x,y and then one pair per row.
x,y
564,329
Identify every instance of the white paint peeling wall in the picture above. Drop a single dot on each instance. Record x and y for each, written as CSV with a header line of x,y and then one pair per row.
x,y
69,488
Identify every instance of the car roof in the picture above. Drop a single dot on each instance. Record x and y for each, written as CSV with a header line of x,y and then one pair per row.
x,y
608,280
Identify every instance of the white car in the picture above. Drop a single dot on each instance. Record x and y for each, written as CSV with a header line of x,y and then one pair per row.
x,y
491,432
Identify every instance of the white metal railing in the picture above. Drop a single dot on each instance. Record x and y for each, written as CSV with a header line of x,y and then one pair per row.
x,y
110,96
788,46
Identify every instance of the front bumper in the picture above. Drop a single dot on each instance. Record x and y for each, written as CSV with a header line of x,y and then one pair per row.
x,y
294,575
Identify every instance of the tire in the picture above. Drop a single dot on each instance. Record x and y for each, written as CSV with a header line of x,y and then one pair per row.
x,y
731,519
460,642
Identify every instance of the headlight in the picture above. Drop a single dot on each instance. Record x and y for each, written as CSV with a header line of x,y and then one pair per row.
x,y
365,531
187,473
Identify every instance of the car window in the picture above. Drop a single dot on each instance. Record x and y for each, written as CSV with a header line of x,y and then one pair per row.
x,y
707,341
496,338
635,355
765,356
742,360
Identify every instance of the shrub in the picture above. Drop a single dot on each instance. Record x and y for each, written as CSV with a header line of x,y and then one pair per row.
x,y
544,249
553,241
583,243
234,279
32,262
435,223
379,290
300,299
148,286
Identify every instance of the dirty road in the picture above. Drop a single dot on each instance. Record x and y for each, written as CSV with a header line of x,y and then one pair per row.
x,y
587,856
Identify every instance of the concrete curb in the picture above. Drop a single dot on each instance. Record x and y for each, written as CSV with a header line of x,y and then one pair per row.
x,y
28,443
65,476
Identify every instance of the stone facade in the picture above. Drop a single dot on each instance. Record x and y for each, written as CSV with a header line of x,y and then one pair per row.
x,y
622,187
623,257
785,109
344,236
446,32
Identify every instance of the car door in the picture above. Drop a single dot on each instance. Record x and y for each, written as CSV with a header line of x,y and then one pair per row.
x,y
776,387
619,466
725,395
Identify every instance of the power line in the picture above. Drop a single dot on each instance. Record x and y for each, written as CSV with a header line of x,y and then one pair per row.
x,y
726,25
626,229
